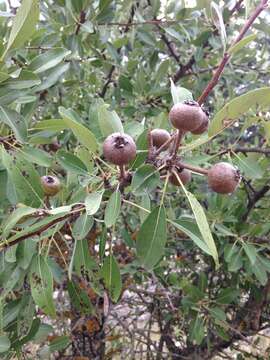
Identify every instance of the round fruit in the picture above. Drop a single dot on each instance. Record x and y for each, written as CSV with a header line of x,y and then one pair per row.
x,y
187,116
51,185
119,149
184,175
223,178
203,127
159,137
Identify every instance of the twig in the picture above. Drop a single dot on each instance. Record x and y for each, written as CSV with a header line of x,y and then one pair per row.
x,y
149,22
108,81
196,169
258,195
245,150
80,22
213,82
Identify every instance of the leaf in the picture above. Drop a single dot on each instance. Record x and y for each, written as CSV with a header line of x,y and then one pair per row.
x,y
37,156
79,298
52,76
59,343
202,224
47,60
41,283
51,125
196,330
180,94
238,46
238,107
71,163
4,343
251,252
217,18
26,80
248,166
112,209
25,179
112,278
218,313
84,135
152,238
23,25
15,121
14,218
82,226
109,121
81,260
226,296
260,272
92,202
145,179
102,243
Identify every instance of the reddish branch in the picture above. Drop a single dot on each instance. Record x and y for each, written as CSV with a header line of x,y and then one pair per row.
x,y
213,82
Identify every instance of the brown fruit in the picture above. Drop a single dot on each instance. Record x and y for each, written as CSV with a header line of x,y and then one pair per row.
x,y
159,137
184,175
223,178
119,149
51,185
187,116
203,127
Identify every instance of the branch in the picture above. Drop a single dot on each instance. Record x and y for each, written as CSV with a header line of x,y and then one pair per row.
x,y
146,22
213,82
80,22
246,150
258,195
108,81
41,229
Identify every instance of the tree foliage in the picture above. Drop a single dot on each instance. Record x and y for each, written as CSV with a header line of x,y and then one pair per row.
x,y
73,72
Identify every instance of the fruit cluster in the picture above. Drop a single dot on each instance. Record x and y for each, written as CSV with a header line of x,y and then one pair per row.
x,y
120,149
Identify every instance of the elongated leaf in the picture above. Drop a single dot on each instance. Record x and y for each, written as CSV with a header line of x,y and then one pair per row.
x,y
41,282
4,343
15,122
112,209
51,125
25,179
92,202
26,80
13,219
217,17
239,106
248,39
46,61
152,238
145,179
82,226
52,76
112,278
84,135
180,94
109,121
71,163
37,156
23,24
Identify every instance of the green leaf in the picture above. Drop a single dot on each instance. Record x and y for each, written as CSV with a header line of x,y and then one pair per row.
x,y
4,343
202,224
238,107
81,259
26,80
249,166
226,296
79,298
49,59
51,125
113,208
84,135
218,313
102,243
248,39
251,252
71,163
152,238
59,343
145,179
82,226
112,278
37,156
92,202
216,14
260,272
180,94
41,282
25,179
196,330
23,25
14,218
109,121
15,122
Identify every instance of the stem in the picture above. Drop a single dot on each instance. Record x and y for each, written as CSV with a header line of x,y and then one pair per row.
x,y
163,146
177,142
196,169
213,82
122,172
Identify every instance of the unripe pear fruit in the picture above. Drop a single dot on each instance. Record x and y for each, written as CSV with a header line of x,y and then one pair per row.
x,y
203,127
119,149
160,137
51,185
186,116
223,178
184,175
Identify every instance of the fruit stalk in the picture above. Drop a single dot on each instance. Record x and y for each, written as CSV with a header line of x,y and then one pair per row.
x,y
213,82
196,169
